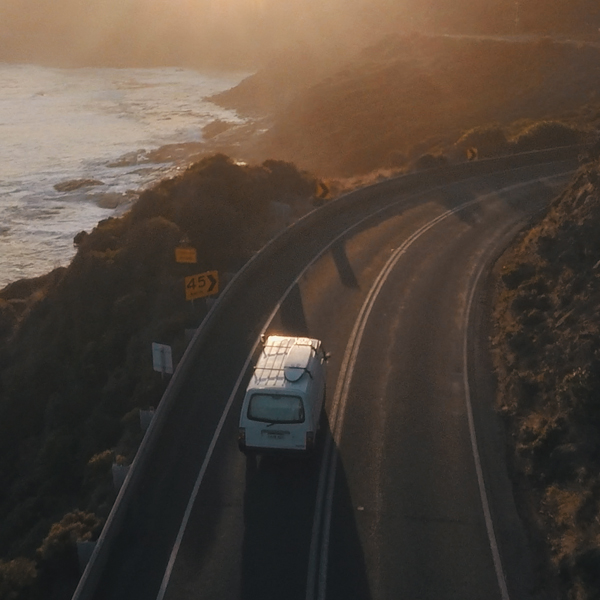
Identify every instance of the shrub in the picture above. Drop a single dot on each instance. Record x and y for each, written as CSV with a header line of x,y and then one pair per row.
x,y
58,561
522,344
64,535
99,466
515,276
487,140
533,318
563,462
16,578
524,301
547,134
285,179
430,161
541,442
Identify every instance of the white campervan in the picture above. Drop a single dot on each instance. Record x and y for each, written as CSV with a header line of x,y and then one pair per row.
x,y
285,397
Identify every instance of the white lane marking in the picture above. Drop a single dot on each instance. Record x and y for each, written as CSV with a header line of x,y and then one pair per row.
x,y
489,523
318,572
188,511
319,546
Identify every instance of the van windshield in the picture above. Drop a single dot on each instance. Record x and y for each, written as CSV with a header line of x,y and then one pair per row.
x,y
271,408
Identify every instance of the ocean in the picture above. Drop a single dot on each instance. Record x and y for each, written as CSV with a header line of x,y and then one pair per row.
x,y
59,126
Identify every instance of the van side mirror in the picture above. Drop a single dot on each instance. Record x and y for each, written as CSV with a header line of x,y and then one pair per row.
x,y
327,356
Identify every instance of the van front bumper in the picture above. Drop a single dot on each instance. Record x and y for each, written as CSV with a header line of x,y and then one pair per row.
x,y
259,450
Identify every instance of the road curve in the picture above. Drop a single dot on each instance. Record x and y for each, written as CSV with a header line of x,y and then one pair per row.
x,y
411,501
398,524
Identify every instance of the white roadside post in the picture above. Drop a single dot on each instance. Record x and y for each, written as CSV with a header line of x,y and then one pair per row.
x,y
162,358
146,418
85,548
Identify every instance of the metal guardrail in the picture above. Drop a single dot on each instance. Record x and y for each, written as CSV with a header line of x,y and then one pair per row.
x,y
93,572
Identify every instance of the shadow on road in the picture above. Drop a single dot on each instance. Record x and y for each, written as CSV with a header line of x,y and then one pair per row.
x,y
291,314
279,505
342,264
525,199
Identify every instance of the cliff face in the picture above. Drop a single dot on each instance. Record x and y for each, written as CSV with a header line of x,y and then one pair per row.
x,y
75,353
414,94
547,355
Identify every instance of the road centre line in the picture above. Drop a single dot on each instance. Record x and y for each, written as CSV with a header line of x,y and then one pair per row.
x,y
190,505
188,511
322,475
317,573
489,523
319,554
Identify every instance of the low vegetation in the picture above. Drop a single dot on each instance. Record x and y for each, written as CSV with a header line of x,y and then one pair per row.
x,y
413,95
76,360
547,356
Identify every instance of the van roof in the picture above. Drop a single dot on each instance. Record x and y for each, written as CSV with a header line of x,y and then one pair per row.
x,y
284,362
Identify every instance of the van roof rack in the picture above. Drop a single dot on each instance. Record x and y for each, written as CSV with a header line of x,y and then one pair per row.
x,y
285,356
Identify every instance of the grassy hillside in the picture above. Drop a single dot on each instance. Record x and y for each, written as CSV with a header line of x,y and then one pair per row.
x,y
547,355
230,33
412,95
75,350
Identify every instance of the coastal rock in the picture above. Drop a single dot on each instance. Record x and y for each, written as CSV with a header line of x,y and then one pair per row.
x,y
75,184
185,151
79,238
215,128
114,199
130,159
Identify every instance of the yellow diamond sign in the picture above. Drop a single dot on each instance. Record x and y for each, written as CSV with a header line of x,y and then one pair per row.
x,y
201,285
185,255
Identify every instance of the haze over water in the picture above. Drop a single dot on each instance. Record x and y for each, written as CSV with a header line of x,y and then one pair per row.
x,y
58,125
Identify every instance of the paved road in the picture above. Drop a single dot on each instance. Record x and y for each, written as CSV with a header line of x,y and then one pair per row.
x,y
406,511
407,504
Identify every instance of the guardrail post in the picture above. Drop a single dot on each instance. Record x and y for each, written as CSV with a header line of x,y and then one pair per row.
x,y
85,550
119,473
146,418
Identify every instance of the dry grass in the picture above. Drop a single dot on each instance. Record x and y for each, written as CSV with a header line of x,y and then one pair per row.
x,y
547,357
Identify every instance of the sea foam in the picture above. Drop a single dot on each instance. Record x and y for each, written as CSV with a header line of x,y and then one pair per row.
x,y
70,125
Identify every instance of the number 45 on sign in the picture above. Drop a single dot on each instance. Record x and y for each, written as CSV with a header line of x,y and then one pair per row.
x,y
204,284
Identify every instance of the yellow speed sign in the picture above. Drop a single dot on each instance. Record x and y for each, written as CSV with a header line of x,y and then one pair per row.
x,y
186,255
201,285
